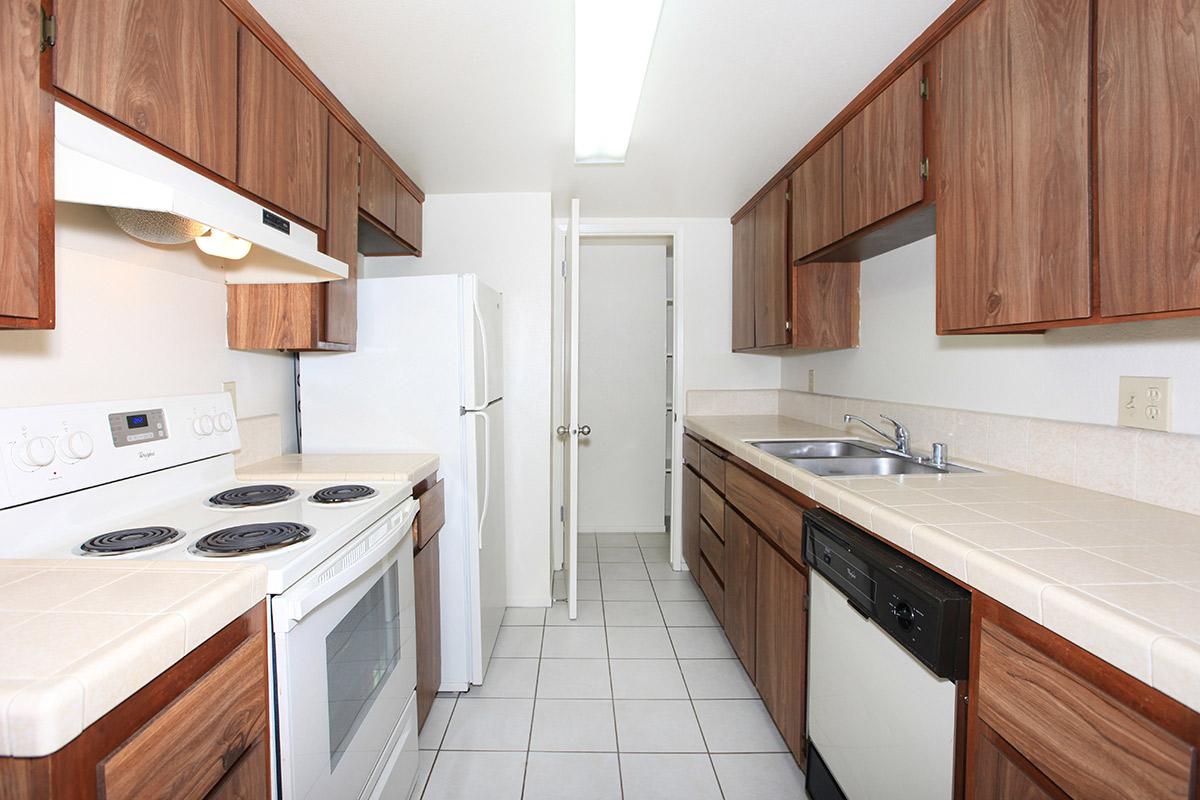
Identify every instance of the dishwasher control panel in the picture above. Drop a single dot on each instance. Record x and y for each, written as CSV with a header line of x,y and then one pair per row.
x,y
924,612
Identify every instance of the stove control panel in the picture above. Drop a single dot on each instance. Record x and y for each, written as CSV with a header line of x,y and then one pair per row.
x,y
51,450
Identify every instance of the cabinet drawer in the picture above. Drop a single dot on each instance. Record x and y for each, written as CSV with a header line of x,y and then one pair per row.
x,y
691,452
775,516
712,509
1082,739
432,515
712,468
188,747
713,550
712,588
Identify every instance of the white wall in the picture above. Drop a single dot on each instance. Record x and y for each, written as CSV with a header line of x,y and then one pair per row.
x,y
506,240
622,386
133,321
1068,374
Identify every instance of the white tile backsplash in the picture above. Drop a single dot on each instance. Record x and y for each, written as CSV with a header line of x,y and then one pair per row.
x,y
1158,468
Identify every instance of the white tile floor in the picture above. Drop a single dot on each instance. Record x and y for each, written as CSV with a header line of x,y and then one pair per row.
x,y
640,697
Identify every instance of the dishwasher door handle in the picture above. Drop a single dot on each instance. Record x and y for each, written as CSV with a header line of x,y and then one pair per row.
x,y
858,608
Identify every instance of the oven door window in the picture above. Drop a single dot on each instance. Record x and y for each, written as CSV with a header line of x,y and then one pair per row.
x,y
361,652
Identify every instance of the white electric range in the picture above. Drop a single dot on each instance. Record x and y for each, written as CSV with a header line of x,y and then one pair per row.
x,y
154,479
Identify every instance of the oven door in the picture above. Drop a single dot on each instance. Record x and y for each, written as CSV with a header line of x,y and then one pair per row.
x,y
346,665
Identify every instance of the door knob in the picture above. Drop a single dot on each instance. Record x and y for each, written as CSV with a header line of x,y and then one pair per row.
x,y
585,430
561,430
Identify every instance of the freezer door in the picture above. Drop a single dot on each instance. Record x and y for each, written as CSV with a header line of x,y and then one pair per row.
x,y
483,352
484,438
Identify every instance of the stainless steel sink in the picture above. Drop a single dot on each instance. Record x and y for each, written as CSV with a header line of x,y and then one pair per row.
x,y
817,449
832,458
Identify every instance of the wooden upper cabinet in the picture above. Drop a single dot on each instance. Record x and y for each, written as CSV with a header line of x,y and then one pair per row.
x,y
817,200
1148,165
743,283
340,318
408,217
881,154
1011,162
282,134
825,305
167,70
377,189
771,269
27,179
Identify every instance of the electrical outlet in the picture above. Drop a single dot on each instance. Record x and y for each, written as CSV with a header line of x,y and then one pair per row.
x,y
230,388
812,380
1145,403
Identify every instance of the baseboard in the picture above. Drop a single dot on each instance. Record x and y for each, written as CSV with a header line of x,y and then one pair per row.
x,y
624,529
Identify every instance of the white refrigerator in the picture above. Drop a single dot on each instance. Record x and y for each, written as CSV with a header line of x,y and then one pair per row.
x,y
427,377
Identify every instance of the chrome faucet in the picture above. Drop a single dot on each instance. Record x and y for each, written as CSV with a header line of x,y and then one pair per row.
x,y
900,439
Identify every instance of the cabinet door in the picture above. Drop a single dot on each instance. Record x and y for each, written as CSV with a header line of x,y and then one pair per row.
x,y
429,626
1000,774
771,327
825,305
743,283
1012,165
377,188
408,217
691,519
248,779
282,134
741,598
1148,167
340,318
817,199
781,643
881,154
27,179
167,70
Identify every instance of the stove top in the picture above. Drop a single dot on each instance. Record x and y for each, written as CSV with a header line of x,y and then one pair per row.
x,y
130,540
253,496
343,493
254,538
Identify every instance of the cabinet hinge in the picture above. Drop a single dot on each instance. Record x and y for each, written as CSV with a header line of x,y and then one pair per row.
x,y
561,514
924,88
49,30
925,169
787,326
787,195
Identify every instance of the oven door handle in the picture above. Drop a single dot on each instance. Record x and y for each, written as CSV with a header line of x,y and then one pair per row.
x,y
360,559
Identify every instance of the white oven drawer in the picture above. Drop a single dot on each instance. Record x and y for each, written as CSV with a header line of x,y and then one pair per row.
x,y
346,671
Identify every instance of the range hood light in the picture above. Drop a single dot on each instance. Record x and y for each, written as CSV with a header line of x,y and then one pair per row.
x,y
223,245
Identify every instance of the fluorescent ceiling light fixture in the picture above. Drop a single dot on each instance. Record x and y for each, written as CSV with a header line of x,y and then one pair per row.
x,y
223,245
612,48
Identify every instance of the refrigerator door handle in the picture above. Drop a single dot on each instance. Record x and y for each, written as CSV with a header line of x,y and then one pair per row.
x,y
487,474
483,342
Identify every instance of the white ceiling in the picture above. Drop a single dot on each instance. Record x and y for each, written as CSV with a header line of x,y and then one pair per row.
x,y
478,95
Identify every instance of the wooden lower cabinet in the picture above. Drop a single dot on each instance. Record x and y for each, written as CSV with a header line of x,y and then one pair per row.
x,y
741,598
426,575
690,524
781,644
1053,721
199,730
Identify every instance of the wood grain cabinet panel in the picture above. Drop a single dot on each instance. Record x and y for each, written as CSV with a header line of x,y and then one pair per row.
x,y
741,593
771,269
377,189
282,134
712,468
999,775
713,550
781,641
1148,164
775,516
1082,739
167,70
426,564
881,154
408,218
690,527
248,780
339,323
743,283
1011,162
712,509
825,305
691,452
185,751
27,179
816,216
711,586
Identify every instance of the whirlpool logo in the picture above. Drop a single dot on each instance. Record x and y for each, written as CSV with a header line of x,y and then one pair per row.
x,y
146,454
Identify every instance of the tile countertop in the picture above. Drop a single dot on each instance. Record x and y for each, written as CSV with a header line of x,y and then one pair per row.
x,y
81,636
1119,578
411,467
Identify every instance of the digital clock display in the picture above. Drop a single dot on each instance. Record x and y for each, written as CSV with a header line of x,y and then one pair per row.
x,y
137,421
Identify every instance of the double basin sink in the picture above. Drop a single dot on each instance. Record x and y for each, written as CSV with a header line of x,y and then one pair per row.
x,y
832,458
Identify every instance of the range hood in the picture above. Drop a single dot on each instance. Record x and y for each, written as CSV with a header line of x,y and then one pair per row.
x,y
95,165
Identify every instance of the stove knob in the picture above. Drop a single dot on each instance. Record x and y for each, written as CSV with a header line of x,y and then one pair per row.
x,y
76,445
904,615
224,422
203,425
37,452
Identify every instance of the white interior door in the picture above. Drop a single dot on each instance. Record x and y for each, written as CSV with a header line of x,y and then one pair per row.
x,y
569,431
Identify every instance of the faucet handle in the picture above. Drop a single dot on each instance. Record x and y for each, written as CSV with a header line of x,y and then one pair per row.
x,y
940,454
